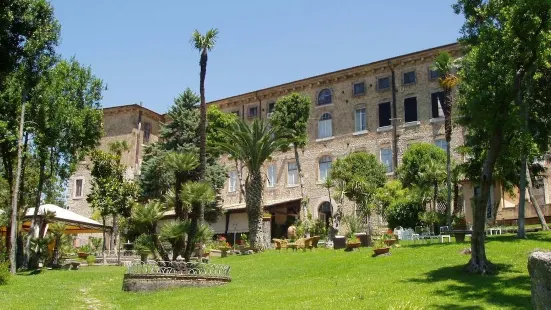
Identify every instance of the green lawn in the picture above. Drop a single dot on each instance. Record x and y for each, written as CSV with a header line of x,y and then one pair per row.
x,y
413,277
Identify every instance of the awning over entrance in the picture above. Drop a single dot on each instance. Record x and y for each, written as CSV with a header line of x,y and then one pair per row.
x,y
219,226
238,223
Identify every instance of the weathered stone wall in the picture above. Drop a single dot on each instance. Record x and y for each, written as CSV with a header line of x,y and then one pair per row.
x,y
539,266
153,282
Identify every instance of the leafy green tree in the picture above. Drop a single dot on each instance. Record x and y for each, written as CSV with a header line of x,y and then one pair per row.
x,y
28,32
386,195
445,65
291,115
253,144
204,44
361,174
508,44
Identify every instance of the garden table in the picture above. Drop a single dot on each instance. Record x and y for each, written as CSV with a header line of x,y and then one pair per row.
x,y
292,246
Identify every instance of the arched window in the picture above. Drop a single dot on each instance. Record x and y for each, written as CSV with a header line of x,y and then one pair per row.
x,y
324,97
324,167
325,126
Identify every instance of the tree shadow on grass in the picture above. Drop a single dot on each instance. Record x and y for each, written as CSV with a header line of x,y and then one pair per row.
x,y
539,236
489,289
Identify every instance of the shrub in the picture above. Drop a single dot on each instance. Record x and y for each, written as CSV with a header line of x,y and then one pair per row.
x,y
405,213
5,274
90,260
319,229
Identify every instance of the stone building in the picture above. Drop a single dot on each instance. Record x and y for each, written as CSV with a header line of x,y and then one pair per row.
x,y
134,124
351,111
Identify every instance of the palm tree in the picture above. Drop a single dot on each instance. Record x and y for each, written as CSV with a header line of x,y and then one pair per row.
x,y
196,195
145,218
253,145
203,44
444,64
181,164
57,230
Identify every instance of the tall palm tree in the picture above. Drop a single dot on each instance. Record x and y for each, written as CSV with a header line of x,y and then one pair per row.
x,y
203,43
196,195
445,64
252,144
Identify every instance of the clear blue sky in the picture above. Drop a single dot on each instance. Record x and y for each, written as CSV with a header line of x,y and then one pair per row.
x,y
141,48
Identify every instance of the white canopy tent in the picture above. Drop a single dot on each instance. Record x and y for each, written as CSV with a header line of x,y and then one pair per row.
x,y
76,223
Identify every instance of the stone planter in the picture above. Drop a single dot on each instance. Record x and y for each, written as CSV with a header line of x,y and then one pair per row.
x,y
459,237
224,250
381,251
352,245
390,242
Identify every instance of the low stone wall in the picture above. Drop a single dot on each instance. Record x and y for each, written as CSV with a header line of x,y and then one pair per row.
x,y
152,282
539,266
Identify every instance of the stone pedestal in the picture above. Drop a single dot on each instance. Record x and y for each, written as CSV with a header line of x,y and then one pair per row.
x,y
339,242
539,266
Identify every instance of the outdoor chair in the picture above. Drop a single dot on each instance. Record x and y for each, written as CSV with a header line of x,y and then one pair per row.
x,y
445,233
315,241
398,231
304,243
280,244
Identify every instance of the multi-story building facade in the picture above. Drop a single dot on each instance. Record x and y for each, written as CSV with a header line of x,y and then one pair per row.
x,y
135,125
352,110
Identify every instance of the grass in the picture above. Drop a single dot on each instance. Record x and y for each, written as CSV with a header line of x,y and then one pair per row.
x,y
413,277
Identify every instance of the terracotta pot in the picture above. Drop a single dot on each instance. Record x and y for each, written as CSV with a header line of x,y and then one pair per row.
x,y
354,245
390,242
82,255
381,251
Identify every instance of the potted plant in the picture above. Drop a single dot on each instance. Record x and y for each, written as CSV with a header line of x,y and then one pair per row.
x,y
84,251
380,247
460,225
388,238
243,244
143,246
352,243
223,245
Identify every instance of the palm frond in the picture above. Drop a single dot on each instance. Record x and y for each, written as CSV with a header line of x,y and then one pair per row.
x,y
175,231
181,162
208,41
197,193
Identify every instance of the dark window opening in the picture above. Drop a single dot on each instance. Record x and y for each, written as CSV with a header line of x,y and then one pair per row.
x,y
437,99
409,77
146,132
271,107
384,114
359,88
410,109
383,83
324,97
253,111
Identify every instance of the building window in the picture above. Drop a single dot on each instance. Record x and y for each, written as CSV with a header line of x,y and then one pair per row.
x,y
79,188
437,99
384,114
359,88
253,112
360,120
271,107
272,176
433,74
408,78
410,109
324,97
146,132
324,167
232,182
386,159
441,143
236,113
292,174
325,126
383,83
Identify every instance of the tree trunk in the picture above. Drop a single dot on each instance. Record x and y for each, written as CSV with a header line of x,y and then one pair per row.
x,y
203,117
55,256
534,202
240,178
104,246
447,109
479,263
253,201
13,221
192,234
456,198
114,233
159,246
521,233
32,229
